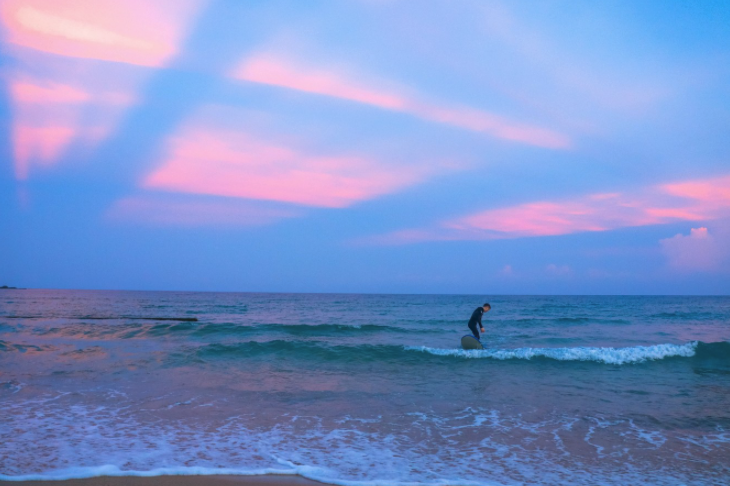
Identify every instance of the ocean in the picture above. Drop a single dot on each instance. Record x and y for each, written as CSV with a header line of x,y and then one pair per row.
x,y
365,389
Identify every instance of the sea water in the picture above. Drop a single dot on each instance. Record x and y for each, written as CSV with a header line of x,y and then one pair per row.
x,y
365,389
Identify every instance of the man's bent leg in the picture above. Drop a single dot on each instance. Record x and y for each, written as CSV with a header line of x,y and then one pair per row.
x,y
473,329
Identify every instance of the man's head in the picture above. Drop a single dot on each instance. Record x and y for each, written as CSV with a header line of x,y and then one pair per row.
x,y
486,307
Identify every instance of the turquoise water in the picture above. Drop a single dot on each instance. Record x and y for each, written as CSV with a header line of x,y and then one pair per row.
x,y
365,389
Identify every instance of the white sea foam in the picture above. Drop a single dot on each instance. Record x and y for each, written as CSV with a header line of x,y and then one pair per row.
x,y
112,470
428,449
309,472
619,356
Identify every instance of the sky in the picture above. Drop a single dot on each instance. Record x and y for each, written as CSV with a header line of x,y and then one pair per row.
x,y
476,147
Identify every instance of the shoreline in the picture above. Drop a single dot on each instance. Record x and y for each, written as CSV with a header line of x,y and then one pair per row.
x,y
176,480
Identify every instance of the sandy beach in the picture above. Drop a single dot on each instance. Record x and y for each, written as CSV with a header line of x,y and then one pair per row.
x,y
267,480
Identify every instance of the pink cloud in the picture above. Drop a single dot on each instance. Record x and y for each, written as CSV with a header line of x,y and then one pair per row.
x,y
175,210
698,251
269,70
479,121
41,144
695,200
134,31
716,192
24,92
687,214
48,117
534,219
231,163
274,71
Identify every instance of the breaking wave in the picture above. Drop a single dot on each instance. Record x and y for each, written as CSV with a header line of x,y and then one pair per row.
x,y
618,356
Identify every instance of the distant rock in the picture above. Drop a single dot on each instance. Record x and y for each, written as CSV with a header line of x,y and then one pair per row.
x,y
6,287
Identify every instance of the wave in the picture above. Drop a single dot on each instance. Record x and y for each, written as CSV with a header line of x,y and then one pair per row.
x,y
308,350
713,351
559,320
114,471
313,473
298,329
107,318
711,354
687,316
6,346
196,329
608,355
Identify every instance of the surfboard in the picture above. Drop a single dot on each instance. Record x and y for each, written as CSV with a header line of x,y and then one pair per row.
x,y
470,342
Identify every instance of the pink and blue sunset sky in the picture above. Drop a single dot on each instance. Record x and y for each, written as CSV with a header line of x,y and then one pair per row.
x,y
479,147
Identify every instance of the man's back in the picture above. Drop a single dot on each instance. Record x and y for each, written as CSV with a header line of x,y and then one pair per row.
x,y
476,316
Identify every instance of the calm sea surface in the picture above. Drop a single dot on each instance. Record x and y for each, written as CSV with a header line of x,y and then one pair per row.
x,y
366,389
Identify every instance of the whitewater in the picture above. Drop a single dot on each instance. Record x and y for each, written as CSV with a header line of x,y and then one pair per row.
x,y
636,354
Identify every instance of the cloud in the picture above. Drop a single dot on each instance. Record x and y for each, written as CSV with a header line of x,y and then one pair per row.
x,y
49,116
134,31
714,193
267,69
39,144
192,211
533,219
206,158
57,103
558,270
333,82
698,251
694,200
32,93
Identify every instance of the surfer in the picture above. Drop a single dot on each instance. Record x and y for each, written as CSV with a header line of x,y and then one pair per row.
x,y
476,318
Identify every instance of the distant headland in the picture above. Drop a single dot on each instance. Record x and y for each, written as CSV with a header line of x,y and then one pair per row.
x,y
5,287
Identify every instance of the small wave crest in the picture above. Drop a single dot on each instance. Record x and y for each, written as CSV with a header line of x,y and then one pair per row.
x,y
313,473
111,470
136,330
539,321
618,356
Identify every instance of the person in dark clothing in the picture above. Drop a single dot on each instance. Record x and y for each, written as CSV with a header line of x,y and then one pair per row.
x,y
476,318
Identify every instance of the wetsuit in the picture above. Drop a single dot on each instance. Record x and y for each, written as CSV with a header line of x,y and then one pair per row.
x,y
475,322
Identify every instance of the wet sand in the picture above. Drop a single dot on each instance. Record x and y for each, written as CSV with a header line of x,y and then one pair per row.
x,y
267,480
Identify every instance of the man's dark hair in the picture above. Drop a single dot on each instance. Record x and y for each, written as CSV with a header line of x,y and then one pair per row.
x,y
487,305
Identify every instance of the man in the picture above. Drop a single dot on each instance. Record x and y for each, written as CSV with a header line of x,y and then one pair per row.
x,y
476,318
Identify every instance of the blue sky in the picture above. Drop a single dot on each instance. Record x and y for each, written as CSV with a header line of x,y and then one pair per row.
x,y
368,146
